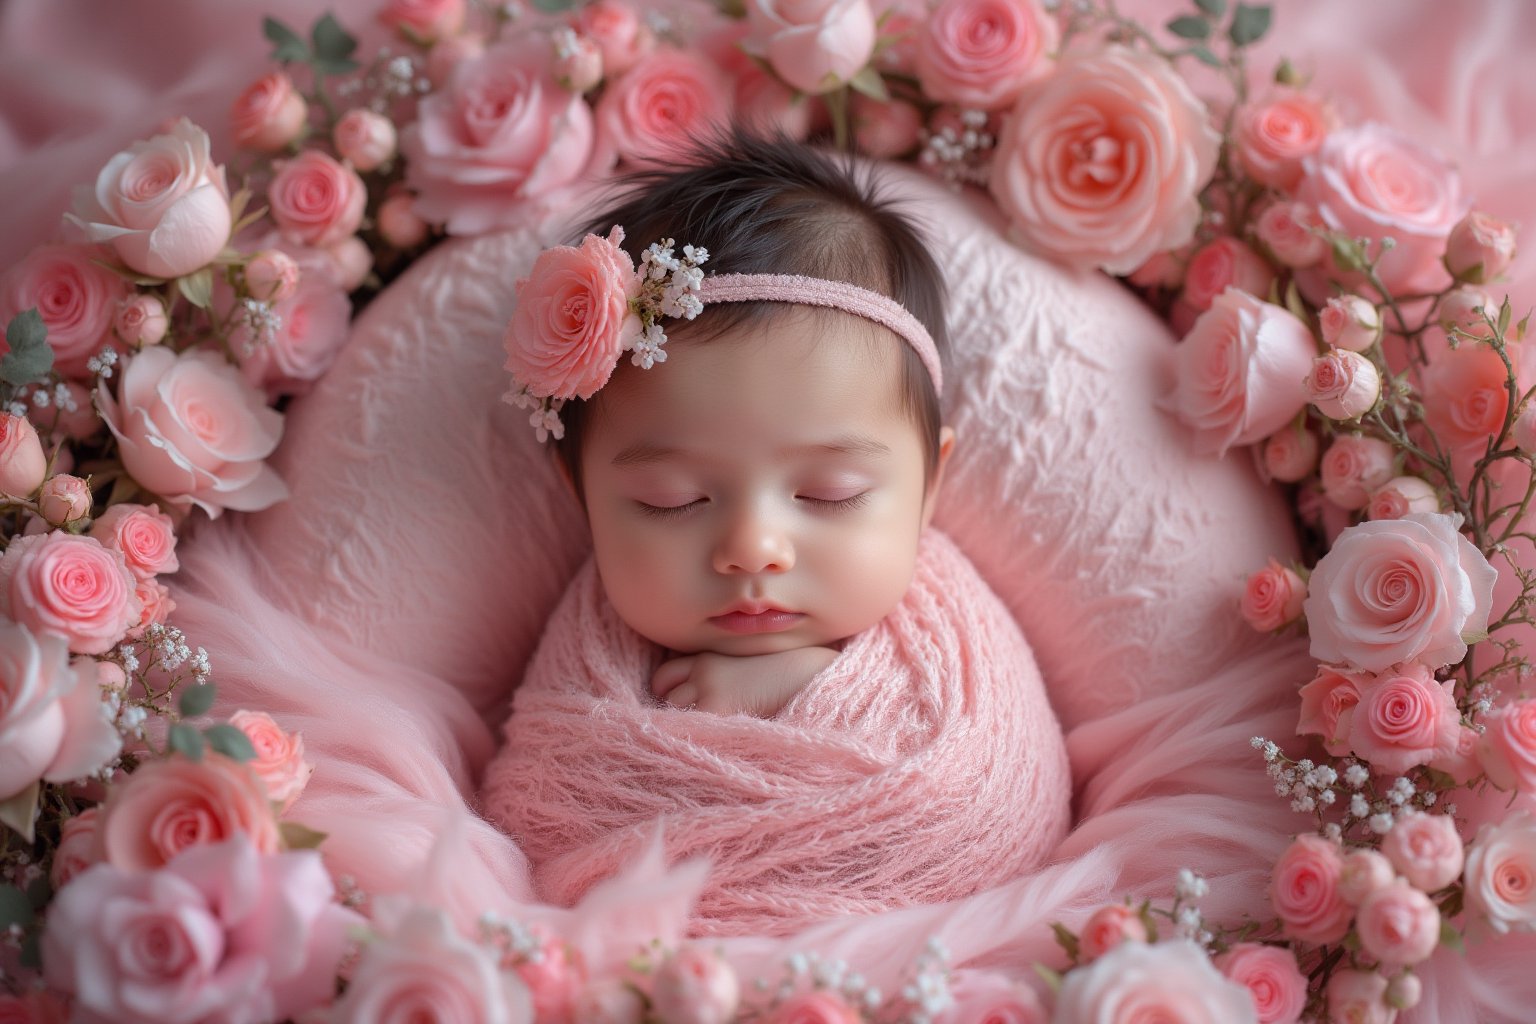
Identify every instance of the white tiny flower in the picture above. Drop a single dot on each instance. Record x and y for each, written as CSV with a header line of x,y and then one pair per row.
x,y
1356,775
1358,807
1381,824
1332,832
40,399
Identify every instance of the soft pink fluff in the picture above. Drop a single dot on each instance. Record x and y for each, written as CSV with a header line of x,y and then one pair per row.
x,y
922,766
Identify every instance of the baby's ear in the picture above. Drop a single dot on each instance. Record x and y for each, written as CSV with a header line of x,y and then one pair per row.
x,y
946,446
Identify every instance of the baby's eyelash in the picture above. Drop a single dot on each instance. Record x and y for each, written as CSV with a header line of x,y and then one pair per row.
x,y
667,511
839,504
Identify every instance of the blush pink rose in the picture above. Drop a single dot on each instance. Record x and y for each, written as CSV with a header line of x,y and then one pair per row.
x,y
819,1007
695,985
1359,997
1343,385
78,847
1350,322
312,325
615,27
70,585
365,139
271,275
1239,372
578,61
979,54
1403,496
1274,982
269,114
1102,161
140,320
1363,873
1461,761
573,318
1290,454
1304,889
1465,395
500,134
23,464
984,997
155,600
1353,467
76,298
1274,134
1291,233
225,932
1398,925
1466,312
1479,248
1158,981
52,721
165,807
1507,749
656,110
315,200
399,223
190,430
145,536
813,45
162,204
1405,718
1224,263
1501,874
279,761
424,21
1327,704
1425,849
1399,590
447,54
1272,597
64,499
1108,927
351,260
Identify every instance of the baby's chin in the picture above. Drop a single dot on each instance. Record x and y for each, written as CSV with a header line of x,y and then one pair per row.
x,y
755,646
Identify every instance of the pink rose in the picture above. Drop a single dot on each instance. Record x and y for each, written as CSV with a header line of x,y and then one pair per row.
x,y
1507,750
983,997
224,932
271,275
1398,925
64,499
421,969
76,299
269,114
657,108
814,45
155,600
424,21
1272,597
1224,263
1501,874
23,465
1466,396
608,1001
1404,718
1290,454
1479,248
1426,850
1343,385
695,985
1399,590
1350,322
145,536
162,204
1101,163
164,807
1403,496
1239,372
351,260
578,61
70,585
447,54
1466,311
52,722
1523,433
140,321
1371,182
1162,270
1158,981
1327,703
77,849
554,982
885,130
364,138
1353,467
1108,927
1359,997
192,431
1461,761
573,318
1274,982
1290,231
619,33
1275,134
279,761
315,200
500,135
818,1007
312,326
1304,888
399,224
1364,872
979,54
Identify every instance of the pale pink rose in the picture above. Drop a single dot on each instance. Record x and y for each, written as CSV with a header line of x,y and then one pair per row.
x,y
1102,161
1290,232
1239,372
1274,982
578,61
1523,433
1304,889
1290,454
64,499
424,21
1274,134
984,997
271,275
145,535
399,224
813,45
279,761
1327,703
818,1007
447,54
1350,322
1404,991
1108,927
351,260
1398,925
695,985
71,585
157,604
76,298
52,724
164,807
1479,248
1343,385
1138,981
1465,311
1272,597
269,114
979,54
141,320
1501,874
1224,263
608,1001
554,981
1405,718
77,849
365,138
1364,872
500,134
1353,467
161,203
224,932
1507,750
573,318
23,464
421,969
1426,850
190,430
1466,396
619,33
315,200
656,109
885,130
1359,997
1403,496
1371,182
1461,762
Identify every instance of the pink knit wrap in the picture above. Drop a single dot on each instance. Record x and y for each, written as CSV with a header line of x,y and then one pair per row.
x,y
925,764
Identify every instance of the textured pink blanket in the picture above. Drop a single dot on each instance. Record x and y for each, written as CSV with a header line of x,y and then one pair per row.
x,y
923,765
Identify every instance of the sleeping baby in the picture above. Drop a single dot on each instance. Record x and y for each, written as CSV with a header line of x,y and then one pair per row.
x,y
770,657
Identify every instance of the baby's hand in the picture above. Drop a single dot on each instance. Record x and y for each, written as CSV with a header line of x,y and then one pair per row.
x,y
759,685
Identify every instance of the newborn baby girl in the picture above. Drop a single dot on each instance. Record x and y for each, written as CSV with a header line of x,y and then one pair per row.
x,y
770,657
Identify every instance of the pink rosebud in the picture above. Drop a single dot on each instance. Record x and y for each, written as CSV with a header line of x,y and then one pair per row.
x,y
1466,395
1403,496
1359,997
885,130
1466,311
1507,749
1291,233
695,986
399,223
1353,467
1275,133
619,33
365,138
449,53
77,847
1350,322
979,54
64,499
1304,888
70,585
578,62
165,807
315,200
1425,849
1270,975
311,324
1404,991
279,761
1327,702
1343,385
269,114
141,320
1405,718
1291,454
424,21
1364,872
352,260
1272,597
992,999
271,276
1501,874
1398,925
814,47
1479,248
817,1007
145,536
1524,431
1224,263
1108,927
609,1001
23,465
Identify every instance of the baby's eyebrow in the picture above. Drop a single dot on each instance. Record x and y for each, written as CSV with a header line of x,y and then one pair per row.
x,y
848,444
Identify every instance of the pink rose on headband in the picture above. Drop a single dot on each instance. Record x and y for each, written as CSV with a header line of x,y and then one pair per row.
x,y
1137,981
76,298
70,585
573,318
1101,162
656,110
501,134
814,45
979,54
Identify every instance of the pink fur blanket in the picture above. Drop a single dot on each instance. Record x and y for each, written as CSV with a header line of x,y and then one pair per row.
x,y
923,765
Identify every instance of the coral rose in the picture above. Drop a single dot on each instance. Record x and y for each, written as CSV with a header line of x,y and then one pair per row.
x,y
1274,134
1426,850
52,721
279,761
1161,981
1101,163
1108,927
1466,396
1304,889
1272,597
315,200
70,585
1274,982
145,536
269,114
979,54
814,45
1507,748
76,298
424,21
658,107
1501,874
1479,248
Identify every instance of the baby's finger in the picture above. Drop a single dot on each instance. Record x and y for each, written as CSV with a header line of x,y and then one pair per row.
x,y
669,675
684,695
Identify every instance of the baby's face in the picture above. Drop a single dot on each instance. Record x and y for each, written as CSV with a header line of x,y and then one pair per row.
x,y
759,492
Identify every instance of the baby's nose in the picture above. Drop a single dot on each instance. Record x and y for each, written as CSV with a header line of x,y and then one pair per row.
x,y
754,544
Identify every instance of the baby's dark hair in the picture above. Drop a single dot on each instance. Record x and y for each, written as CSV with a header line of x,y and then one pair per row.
x,y
772,206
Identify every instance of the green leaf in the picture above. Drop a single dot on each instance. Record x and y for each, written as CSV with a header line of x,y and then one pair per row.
x,y
20,810
1205,56
32,951
30,357
287,45
40,892
196,700
230,741
1450,938
331,41
554,6
1286,73
1215,8
197,287
333,65
15,908
300,837
1248,25
1349,253
187,741
1065,939
1188,26
869,82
